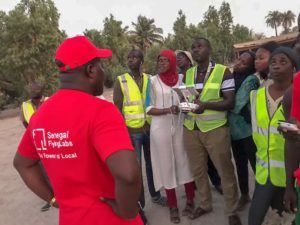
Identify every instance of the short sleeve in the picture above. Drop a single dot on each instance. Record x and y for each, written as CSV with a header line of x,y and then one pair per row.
x,y
109,132
26,147
150,99
228,81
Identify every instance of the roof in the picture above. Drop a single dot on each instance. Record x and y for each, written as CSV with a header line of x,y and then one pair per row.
x,y
286,38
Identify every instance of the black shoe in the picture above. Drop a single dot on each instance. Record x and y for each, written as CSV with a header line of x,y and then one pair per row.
x,y
46,207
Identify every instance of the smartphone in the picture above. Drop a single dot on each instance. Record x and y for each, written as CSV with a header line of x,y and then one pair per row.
x,y
288,126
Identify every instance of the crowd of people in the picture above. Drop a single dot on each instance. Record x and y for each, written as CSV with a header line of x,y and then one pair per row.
x,y
91,150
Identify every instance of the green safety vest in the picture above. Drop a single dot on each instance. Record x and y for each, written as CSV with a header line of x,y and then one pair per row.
x,y
269,142
134,101
209,119
28,109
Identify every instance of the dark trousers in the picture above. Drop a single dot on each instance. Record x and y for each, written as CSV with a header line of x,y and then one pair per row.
x,y
265,196
213,173
142,141
243,150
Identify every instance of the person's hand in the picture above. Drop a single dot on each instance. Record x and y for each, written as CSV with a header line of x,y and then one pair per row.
x,y
292,135
201,107
290,200
174,109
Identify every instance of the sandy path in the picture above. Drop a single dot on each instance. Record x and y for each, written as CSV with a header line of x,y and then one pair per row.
x,y
18,205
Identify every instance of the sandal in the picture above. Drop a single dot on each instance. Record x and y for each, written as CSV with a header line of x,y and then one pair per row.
x,y
174,215
198,212
189,209
161,200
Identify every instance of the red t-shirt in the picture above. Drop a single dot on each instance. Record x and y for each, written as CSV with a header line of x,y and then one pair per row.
x,y
73,134
295,113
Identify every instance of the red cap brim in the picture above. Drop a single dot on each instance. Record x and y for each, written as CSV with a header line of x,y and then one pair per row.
x,y
104,53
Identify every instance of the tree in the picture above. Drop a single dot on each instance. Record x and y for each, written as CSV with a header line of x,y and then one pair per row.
x,y
226,23
95,36
151,58
241,33
211,16
145,33
288,18
210,29
29,37
274,20
181,35
115,38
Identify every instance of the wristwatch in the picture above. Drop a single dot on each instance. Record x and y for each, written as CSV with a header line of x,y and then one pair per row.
x,y
52,201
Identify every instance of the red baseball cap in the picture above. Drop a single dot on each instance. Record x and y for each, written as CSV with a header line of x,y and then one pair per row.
x,y
77,51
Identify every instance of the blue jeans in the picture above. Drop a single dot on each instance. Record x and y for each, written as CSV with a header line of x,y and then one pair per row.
x,y
140,140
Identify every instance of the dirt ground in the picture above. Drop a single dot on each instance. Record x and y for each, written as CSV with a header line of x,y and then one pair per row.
x,y
18,205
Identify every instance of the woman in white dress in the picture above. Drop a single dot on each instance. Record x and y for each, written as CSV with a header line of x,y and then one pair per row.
x,y
169,158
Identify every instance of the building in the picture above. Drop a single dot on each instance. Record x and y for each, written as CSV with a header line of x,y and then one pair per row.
x,y
284,40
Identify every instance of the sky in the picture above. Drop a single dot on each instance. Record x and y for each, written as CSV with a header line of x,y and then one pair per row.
x,y
78,15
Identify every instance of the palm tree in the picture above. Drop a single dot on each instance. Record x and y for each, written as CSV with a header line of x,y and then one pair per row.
x,y
288,18
274,20
145,33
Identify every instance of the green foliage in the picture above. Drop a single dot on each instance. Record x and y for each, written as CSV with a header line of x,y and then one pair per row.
x,y
182,40
113,36
226,23
151,59
145,33
29,37
288,18
274,20
241,33
30,34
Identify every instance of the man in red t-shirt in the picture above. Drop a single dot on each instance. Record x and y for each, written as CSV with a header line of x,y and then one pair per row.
x,y
83,144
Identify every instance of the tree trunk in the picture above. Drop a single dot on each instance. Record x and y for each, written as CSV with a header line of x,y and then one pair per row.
x,y
276,30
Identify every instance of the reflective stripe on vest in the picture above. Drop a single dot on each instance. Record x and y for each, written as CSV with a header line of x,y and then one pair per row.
x,y
273,163
133,101
269,142
209,119
28,109
198,117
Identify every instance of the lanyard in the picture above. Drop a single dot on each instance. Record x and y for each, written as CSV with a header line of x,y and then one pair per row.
x,y
206,75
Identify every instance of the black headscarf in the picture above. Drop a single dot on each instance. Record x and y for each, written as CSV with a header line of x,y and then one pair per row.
x,y
239,78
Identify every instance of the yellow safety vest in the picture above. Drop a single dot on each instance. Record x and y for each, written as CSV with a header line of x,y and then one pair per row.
x,y
134,101
269,142
28,109
209,119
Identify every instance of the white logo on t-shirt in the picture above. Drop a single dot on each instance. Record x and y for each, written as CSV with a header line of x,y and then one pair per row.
x,y
39,139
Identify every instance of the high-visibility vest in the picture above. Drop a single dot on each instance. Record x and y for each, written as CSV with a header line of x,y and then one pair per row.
x,y
28,109
269,142
134,101
209,119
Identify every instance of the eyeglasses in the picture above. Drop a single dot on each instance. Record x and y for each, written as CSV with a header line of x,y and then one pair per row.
x,y
163,61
